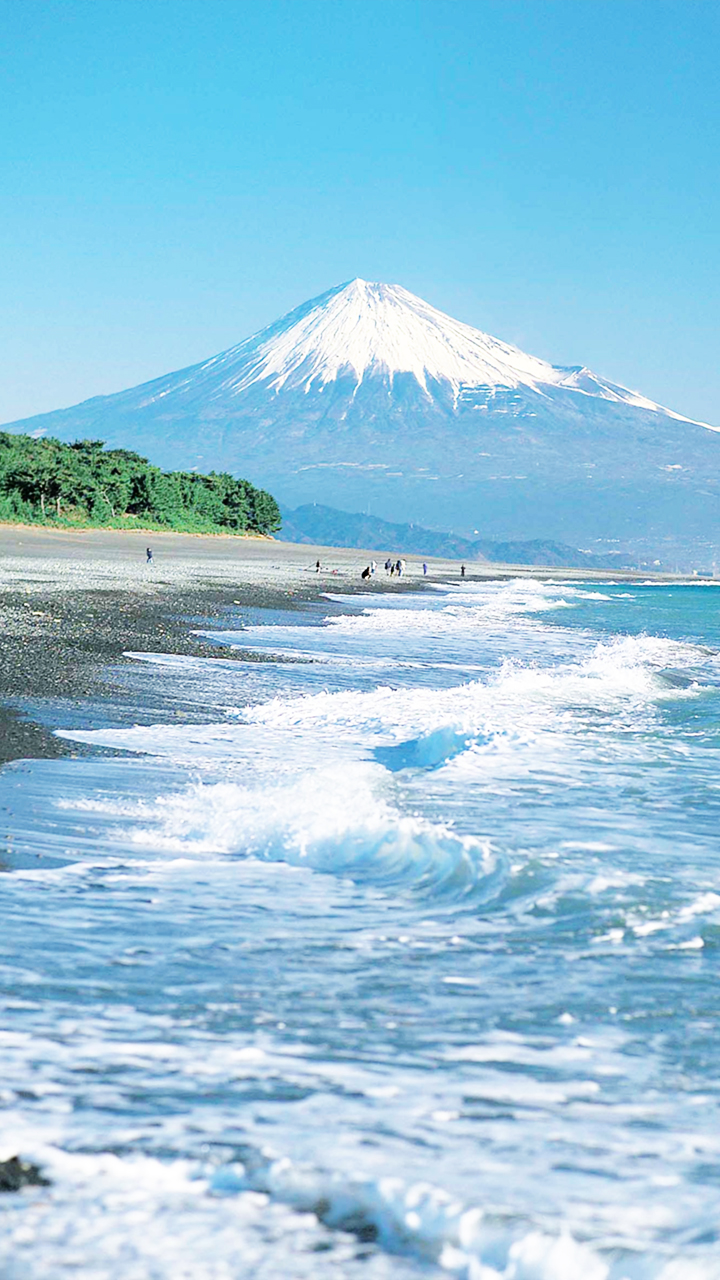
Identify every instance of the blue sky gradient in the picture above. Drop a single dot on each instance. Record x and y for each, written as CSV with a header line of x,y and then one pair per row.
x,y
174,174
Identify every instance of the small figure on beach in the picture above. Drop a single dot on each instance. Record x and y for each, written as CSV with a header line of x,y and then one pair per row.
x,y
424,570
462,570
388,565
148,553
317,566
366,572
373,567
399,566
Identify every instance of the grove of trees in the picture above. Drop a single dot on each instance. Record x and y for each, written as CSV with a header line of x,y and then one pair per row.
x,y
45,482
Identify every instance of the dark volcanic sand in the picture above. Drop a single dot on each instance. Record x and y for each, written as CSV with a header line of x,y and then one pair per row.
x,y
61,645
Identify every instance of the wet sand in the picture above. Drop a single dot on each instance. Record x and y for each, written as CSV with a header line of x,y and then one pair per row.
x,y
73,603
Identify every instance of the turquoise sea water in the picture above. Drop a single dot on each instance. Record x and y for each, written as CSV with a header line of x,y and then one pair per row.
x,y
399,959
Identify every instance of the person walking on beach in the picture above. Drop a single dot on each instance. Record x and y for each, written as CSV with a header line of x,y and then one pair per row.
x,y
388,565
317,566
424,570
148,553
462,570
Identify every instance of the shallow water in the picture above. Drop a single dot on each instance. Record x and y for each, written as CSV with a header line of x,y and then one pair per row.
x,y
399,960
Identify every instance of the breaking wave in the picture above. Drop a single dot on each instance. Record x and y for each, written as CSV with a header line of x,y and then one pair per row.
x,y
332,821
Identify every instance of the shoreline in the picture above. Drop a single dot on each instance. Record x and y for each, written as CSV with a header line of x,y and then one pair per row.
x,y
72,603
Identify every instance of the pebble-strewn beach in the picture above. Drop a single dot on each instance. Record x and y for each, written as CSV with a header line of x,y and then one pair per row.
x,y
93,596
72,603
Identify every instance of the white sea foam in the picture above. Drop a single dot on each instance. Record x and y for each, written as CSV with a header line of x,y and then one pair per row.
x,y
404,954
119,1216
422,1219
289,805
334,821
450,626
463,1240
453,626
519,699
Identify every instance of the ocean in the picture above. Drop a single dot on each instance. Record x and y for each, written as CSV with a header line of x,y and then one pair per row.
x,y
393,955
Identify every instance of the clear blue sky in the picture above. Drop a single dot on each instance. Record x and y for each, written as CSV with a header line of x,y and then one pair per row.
x,y
174,174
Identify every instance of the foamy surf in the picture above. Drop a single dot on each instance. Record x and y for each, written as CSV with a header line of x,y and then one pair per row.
x,y
331,821
395,962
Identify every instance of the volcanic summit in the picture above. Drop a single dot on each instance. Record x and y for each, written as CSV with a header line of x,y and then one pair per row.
x,y
367,397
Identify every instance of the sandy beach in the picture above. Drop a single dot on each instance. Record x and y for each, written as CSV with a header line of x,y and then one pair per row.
x,y
72,603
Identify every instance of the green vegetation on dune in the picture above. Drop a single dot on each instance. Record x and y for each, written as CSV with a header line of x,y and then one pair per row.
x,y
84,484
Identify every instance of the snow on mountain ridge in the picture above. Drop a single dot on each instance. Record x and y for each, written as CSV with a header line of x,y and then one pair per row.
x,y
367,395
362,328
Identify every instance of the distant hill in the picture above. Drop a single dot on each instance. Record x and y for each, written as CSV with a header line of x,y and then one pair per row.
x,y
325,526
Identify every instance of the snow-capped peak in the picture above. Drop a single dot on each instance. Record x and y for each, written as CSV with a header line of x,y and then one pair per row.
x,y
364,329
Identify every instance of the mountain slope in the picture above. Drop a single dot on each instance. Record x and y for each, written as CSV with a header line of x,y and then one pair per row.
x,y
324,526
369,397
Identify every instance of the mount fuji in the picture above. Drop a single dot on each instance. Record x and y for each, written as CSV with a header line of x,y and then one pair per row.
x,y
369,399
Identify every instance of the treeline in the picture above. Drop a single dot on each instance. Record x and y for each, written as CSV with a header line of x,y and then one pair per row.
x,y
46,482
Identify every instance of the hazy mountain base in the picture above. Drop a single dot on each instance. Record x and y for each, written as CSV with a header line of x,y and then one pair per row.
x,y
314,523
571,468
